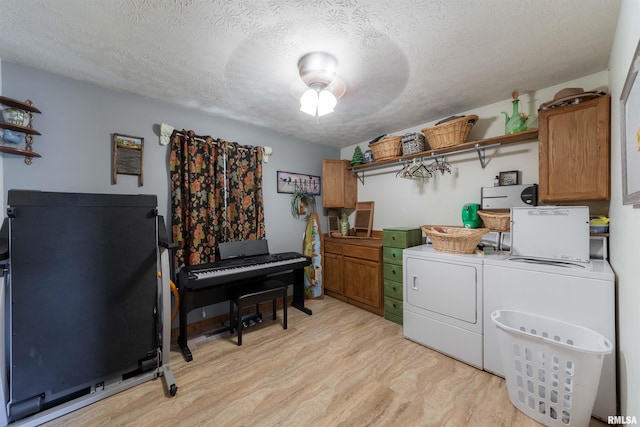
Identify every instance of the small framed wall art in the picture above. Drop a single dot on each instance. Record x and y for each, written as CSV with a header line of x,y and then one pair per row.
x,y
509,178
127,156
291,182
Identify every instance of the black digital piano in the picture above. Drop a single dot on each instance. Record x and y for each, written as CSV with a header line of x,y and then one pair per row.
x,y
241,264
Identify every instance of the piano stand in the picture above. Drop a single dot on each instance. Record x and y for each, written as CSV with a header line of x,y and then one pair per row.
x,y
302,308
196,294
184,348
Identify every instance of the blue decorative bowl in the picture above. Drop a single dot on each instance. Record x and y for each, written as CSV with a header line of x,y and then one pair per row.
x,y
12,137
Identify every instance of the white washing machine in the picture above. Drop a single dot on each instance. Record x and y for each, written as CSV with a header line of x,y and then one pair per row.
x,y
582,295
442,306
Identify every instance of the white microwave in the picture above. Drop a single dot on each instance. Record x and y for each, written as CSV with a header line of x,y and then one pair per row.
x,y
553,233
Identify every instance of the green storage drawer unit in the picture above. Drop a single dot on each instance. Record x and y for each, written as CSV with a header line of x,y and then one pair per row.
x,y
393,272
401,237
394,318
393,289
393,306
394,241
392,255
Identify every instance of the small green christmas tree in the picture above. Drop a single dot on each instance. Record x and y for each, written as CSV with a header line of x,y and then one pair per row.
x,y
358,157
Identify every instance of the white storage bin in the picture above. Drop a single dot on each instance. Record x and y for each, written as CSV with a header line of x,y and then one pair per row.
x,y
552,368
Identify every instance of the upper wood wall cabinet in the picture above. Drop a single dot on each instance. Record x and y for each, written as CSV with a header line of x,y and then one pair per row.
x,y
339,185
574,152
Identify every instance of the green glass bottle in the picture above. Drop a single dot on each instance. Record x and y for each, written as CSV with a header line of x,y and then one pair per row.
x,y
518,121
344,225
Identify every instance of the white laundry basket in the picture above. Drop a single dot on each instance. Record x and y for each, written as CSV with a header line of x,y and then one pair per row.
x,y
552,368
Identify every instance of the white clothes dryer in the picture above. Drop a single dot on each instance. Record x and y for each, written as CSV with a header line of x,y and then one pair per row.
x,y
442,307
582,295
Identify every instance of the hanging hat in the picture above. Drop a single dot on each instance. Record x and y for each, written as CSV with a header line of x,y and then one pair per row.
x,y
570,95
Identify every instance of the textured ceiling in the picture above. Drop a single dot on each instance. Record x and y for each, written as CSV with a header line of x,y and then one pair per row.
x,y
405,62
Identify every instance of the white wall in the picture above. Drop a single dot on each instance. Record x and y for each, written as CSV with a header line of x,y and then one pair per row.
x,y
438,200
625,220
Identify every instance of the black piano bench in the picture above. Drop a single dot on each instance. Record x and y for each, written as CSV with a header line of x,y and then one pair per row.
x,y
247,296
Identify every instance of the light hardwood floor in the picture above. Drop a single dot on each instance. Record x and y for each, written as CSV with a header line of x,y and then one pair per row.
x,y
342,366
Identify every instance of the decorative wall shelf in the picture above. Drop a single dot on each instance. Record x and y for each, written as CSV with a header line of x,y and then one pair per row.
x,y
479,146
19,151
17,128
28,130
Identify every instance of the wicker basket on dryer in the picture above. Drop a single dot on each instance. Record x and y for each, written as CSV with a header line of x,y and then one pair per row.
x,y
495,220
449,132
387,148
455,240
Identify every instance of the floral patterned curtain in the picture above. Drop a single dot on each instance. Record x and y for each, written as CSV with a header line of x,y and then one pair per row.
x,y
216,195
244,218
195,197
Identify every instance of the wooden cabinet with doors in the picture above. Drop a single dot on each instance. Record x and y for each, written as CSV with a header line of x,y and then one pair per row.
x,y
574,152
352,272
339,185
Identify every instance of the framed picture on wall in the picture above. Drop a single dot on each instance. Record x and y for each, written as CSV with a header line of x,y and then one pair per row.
x,y
509,178
127,156
289,182
630,133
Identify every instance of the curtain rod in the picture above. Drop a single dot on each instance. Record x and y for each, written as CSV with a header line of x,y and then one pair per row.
x,y
195,137
266,151
203,140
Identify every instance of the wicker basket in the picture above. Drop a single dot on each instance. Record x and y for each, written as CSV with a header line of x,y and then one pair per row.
x,y
413,143
449,133
387,148
496,221
455,240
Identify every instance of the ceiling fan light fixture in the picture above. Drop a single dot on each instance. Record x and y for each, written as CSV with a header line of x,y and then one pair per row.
x,y
317,70
309,102
326,102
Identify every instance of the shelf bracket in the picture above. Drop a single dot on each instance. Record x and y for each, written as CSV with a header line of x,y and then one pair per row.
x,y
482,157
360,176
481,153
480,149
